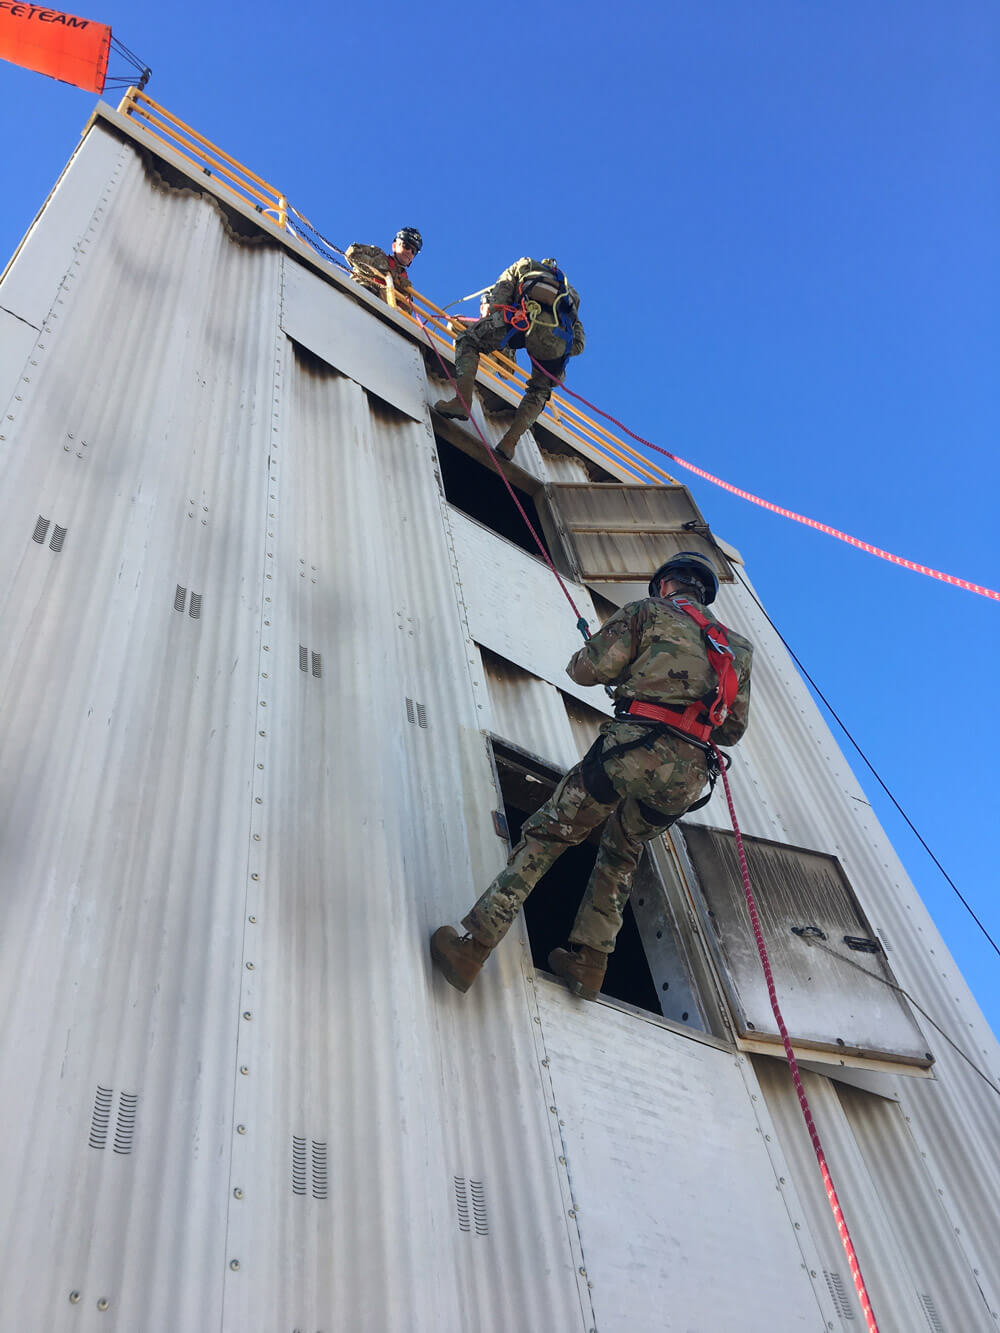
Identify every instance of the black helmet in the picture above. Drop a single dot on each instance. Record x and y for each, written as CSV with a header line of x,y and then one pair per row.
x,y
411,237
686,563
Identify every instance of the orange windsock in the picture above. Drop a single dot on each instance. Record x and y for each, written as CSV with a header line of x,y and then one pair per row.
x,y
65,47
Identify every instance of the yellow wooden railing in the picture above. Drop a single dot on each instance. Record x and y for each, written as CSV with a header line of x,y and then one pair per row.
x,y
496,368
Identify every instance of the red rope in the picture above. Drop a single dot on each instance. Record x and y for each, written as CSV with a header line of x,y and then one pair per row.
x,y
831,1192
777,509
581,622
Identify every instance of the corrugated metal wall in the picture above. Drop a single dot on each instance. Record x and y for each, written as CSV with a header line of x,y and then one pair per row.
x,y
245,773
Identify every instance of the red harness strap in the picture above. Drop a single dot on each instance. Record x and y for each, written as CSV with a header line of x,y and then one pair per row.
x,y
699,719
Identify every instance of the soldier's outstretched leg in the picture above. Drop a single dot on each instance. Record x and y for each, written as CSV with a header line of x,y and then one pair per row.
x,y
563,821
485,335
466,365
530,408
600,916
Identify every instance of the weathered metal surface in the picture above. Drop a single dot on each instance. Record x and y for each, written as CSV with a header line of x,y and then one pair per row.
x,y
625,532
832,996
516,608
681,1216
344,334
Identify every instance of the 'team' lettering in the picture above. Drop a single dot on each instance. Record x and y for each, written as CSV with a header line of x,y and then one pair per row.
x,y
19,11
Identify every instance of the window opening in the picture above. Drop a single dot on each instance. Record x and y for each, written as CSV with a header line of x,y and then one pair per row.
x,y
478,491
645,969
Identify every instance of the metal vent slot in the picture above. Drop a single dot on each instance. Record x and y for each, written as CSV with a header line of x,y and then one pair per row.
x,y
125,1125
462,1204
58,537
298,1165
101,1117
930,1310
41,528
194,611
839,1296
410,713
180,597
421,716
479,1207
319,1170
317,665
303,658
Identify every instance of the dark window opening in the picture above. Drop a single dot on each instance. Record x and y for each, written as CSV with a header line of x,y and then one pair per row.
x,y
551,908
476,489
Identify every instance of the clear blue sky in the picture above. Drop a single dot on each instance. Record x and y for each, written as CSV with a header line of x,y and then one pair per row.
x,y
783,219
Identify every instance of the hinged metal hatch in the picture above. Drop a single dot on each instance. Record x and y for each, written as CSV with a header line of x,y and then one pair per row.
x,y
621,533
836,989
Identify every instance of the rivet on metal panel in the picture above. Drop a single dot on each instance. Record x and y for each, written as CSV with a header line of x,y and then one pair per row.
x,y
204,522
781,1181
264,675
767,1138
247,1015
572,1212
190,511
798,1226
252,920
103,1304
258,800
562,1161
241,1129
545,1062
237,1193
234,1264
553,1110
267,622
249,967
244,1069
267,599
74,1298
562,1122
66,451
538,1020
256,837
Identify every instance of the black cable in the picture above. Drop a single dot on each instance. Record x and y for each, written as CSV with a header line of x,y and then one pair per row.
x,y
870,766
813,942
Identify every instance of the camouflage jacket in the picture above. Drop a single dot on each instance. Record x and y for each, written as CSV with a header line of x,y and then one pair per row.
x,y
653,651
504,293
365,258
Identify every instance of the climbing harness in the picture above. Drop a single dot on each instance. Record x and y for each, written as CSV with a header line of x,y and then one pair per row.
x,y
699,719
831,1193
542,289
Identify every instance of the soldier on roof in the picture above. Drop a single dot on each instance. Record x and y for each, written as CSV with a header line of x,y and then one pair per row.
x,y
531,305
372,267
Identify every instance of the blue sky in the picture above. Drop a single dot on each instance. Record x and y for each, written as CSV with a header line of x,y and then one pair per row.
x,y
782,218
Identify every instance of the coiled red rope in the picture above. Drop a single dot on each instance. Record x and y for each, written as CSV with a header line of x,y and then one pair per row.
x,y
831,1193
778,509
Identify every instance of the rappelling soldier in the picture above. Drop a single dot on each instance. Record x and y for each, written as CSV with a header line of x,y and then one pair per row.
x,y
531,305
374,269
681,683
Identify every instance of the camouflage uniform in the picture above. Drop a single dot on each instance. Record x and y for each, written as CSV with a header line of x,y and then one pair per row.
x,y
364,258
541,341
652,651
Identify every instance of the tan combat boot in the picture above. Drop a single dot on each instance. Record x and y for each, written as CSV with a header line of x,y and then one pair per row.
x,y
458,957
465,383
526,415
582,969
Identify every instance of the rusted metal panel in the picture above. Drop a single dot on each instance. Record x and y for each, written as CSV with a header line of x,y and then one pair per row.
x,y
837,990
624,532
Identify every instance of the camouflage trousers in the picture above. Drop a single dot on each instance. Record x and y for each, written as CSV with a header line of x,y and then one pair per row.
x,y
487,335
647,787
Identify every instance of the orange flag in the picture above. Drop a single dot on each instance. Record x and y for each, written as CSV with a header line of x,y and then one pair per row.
x,y
71,49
